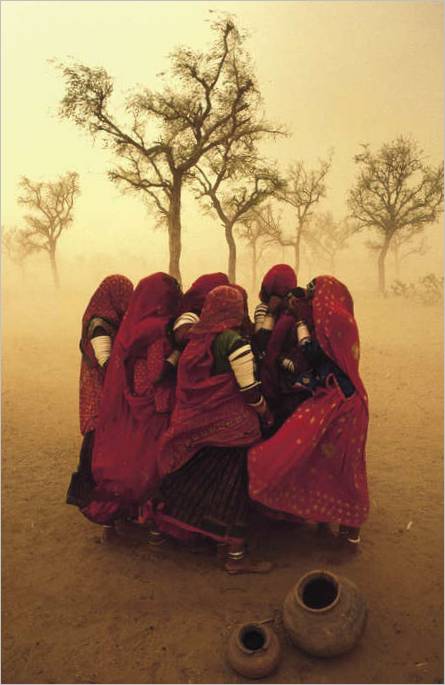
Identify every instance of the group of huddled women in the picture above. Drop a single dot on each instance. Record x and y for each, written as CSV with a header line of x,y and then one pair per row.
x,y
193,415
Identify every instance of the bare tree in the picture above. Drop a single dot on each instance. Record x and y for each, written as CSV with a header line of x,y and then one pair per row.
x,y
395,194
235,185
51,204
327,237
305,189
255,232
204,102
17,247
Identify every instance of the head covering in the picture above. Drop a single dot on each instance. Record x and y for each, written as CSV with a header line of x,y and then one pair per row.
x,y
247,326
224,308
210,409
129,423
336,328
154,302
108,302
279,280
193,298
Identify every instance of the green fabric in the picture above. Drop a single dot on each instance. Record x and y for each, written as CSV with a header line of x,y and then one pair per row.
x,y
222,346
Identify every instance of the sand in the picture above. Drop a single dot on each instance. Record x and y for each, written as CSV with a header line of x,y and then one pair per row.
x,y
76,611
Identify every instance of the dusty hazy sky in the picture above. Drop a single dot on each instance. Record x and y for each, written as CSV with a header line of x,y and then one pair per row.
x,y
335,73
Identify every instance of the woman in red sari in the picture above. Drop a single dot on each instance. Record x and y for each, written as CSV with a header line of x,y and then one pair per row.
x,y
100,324
190,307
314,467
136,407
203,453
275,343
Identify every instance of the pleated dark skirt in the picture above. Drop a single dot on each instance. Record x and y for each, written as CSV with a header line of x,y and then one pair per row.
x,y
82,482
208,495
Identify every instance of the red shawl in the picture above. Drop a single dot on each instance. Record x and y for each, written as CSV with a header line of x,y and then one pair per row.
x,y
279,280
209,409
193,299
109,302
314,466
135,408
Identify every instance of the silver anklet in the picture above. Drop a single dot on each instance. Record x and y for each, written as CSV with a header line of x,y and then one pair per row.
x,y
236,556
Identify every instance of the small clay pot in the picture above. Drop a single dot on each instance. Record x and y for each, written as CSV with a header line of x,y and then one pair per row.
x,y
324,614
253,650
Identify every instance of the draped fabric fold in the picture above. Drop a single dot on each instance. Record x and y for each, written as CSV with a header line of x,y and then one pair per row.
x,y
314,466
209,408
136,407
193,299
109,304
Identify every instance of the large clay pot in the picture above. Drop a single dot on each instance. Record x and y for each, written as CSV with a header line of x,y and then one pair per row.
x,y
324,614
253,650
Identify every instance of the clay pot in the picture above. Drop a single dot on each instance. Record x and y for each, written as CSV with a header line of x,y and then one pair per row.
x,y
324,614
253,650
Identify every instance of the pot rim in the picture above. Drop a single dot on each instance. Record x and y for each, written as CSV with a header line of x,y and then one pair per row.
x,y
304,580
255,626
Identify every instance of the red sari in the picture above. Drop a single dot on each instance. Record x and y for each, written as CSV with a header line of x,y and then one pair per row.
x,y
135,408
278,281
109,302
193,299
314,466
209,409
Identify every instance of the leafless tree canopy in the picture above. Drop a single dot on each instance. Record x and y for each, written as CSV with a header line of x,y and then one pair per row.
x,y
51,212
305,188
396,194
210,98
327,237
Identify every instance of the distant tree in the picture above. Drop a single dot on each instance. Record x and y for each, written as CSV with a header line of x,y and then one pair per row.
x,y
402,246
395,194
305,189
17,247
235,185
327,237
254,231
209,97
51,212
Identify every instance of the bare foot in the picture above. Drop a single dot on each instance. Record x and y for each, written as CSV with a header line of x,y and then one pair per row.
x,y
246,565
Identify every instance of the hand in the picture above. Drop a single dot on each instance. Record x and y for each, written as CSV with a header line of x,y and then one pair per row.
x,y
168,371
267,419
295,306
274,304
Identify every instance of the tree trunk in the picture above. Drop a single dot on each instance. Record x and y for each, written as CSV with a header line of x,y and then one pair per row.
x,y
381,266
397,261
54,270
254,263
174,230
232,253
297,250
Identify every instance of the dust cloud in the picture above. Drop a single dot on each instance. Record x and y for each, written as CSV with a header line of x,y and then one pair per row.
x,y
338,75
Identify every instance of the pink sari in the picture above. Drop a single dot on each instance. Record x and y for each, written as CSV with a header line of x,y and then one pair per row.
x,y
209,408
109,302
314,467
136,408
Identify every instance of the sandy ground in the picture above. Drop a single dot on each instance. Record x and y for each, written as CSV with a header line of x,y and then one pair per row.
x,y
75,611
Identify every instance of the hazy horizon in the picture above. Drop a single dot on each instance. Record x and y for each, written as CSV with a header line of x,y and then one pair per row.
x,y
336,74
